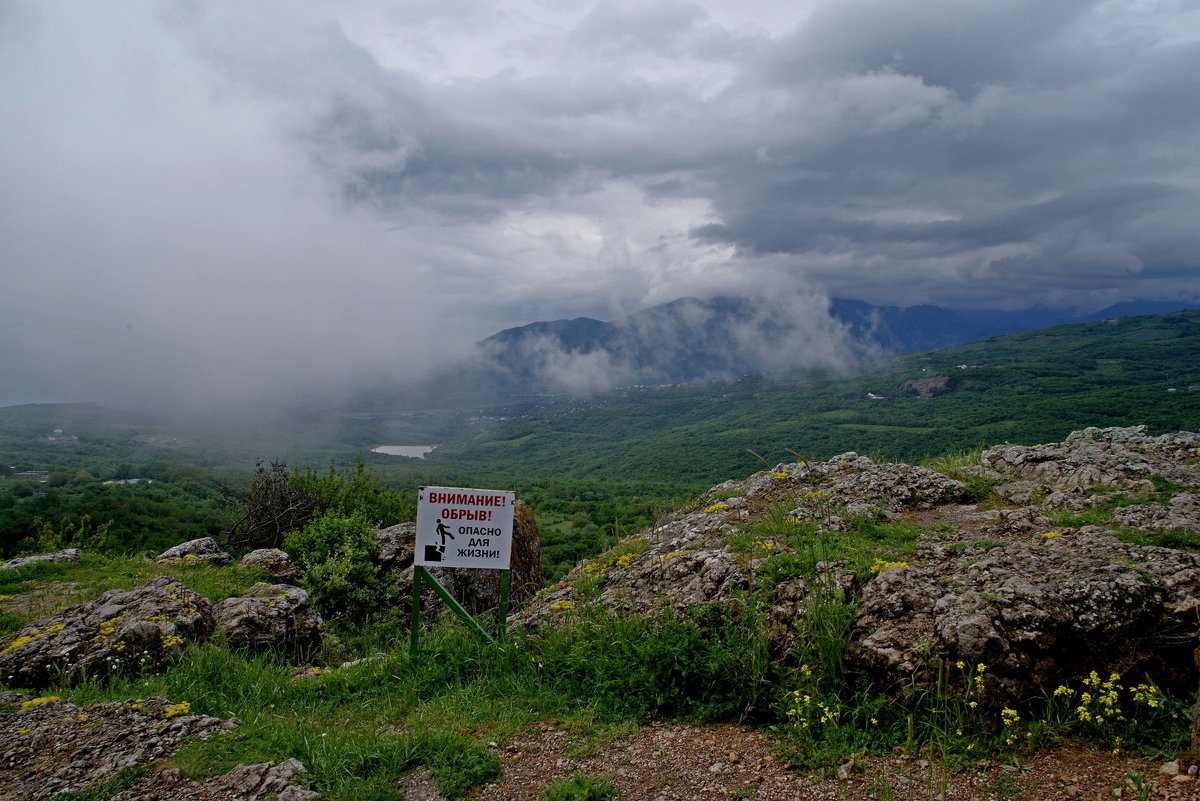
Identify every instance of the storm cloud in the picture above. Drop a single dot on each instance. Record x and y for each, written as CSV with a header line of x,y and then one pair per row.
x,y
207,202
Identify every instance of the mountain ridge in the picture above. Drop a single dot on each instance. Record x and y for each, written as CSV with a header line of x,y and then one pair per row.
x,y
691,339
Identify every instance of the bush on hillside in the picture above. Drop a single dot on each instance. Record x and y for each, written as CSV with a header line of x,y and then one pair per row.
x,y
280,501
338,554
272,507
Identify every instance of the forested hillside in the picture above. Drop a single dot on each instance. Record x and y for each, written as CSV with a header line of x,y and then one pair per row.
x,y
1022,388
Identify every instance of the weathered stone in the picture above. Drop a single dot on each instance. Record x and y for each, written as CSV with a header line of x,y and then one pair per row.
x,y
120,632
825,488
276,562
686,564
276,618
1035,614
65,555
1182,513
89,744
262,780
204,549
1119,457
258,782
1022,521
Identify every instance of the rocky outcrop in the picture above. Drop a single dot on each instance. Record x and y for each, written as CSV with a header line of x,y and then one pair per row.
x,y
120,632
204,549
1038,602
1183,512
477,590
259,782
275,562
1033,613
1113,457
65,555
271,618
848,483
90,745
687,563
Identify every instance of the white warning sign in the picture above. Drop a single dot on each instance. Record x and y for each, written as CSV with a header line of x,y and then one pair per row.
x,y
459,527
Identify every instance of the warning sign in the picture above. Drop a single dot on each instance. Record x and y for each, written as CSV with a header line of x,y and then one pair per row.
x,y
459,527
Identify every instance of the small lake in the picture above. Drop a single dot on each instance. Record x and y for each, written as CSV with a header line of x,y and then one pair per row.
x,y
412,451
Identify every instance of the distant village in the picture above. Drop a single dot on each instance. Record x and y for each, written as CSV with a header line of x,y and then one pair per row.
x,y
58,435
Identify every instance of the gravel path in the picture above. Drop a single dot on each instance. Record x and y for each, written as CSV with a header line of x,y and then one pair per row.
x,y
670,762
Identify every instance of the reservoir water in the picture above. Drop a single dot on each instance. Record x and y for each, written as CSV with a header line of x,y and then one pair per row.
x,y
412,451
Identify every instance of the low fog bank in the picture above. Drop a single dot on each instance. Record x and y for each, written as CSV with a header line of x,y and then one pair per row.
x,y
678,342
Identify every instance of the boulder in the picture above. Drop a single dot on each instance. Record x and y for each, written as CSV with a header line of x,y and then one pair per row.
x,y
204,549
274,618
1035,614
123,632
276,562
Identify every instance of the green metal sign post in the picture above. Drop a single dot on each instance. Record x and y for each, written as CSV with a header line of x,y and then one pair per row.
x,y
421,574
461,528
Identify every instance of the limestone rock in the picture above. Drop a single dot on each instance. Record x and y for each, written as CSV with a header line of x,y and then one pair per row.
x,y
276,562
275,618
204,549
120,632
1182,513
90,744
65,555
244,782
1033,613
1119,457
686,563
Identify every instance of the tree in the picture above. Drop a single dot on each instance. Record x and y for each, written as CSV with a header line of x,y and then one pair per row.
x,y
272,507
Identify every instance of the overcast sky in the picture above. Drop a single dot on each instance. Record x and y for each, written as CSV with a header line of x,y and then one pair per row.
x,y
199,197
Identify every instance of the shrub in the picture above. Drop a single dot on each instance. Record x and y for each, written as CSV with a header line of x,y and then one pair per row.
x,y
271,508
338,556
353,491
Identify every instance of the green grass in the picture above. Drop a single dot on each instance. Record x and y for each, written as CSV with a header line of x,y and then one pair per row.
x,y
581,787
62,584
360,729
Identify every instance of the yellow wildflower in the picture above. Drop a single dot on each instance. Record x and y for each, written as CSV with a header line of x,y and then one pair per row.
x,y
175,710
